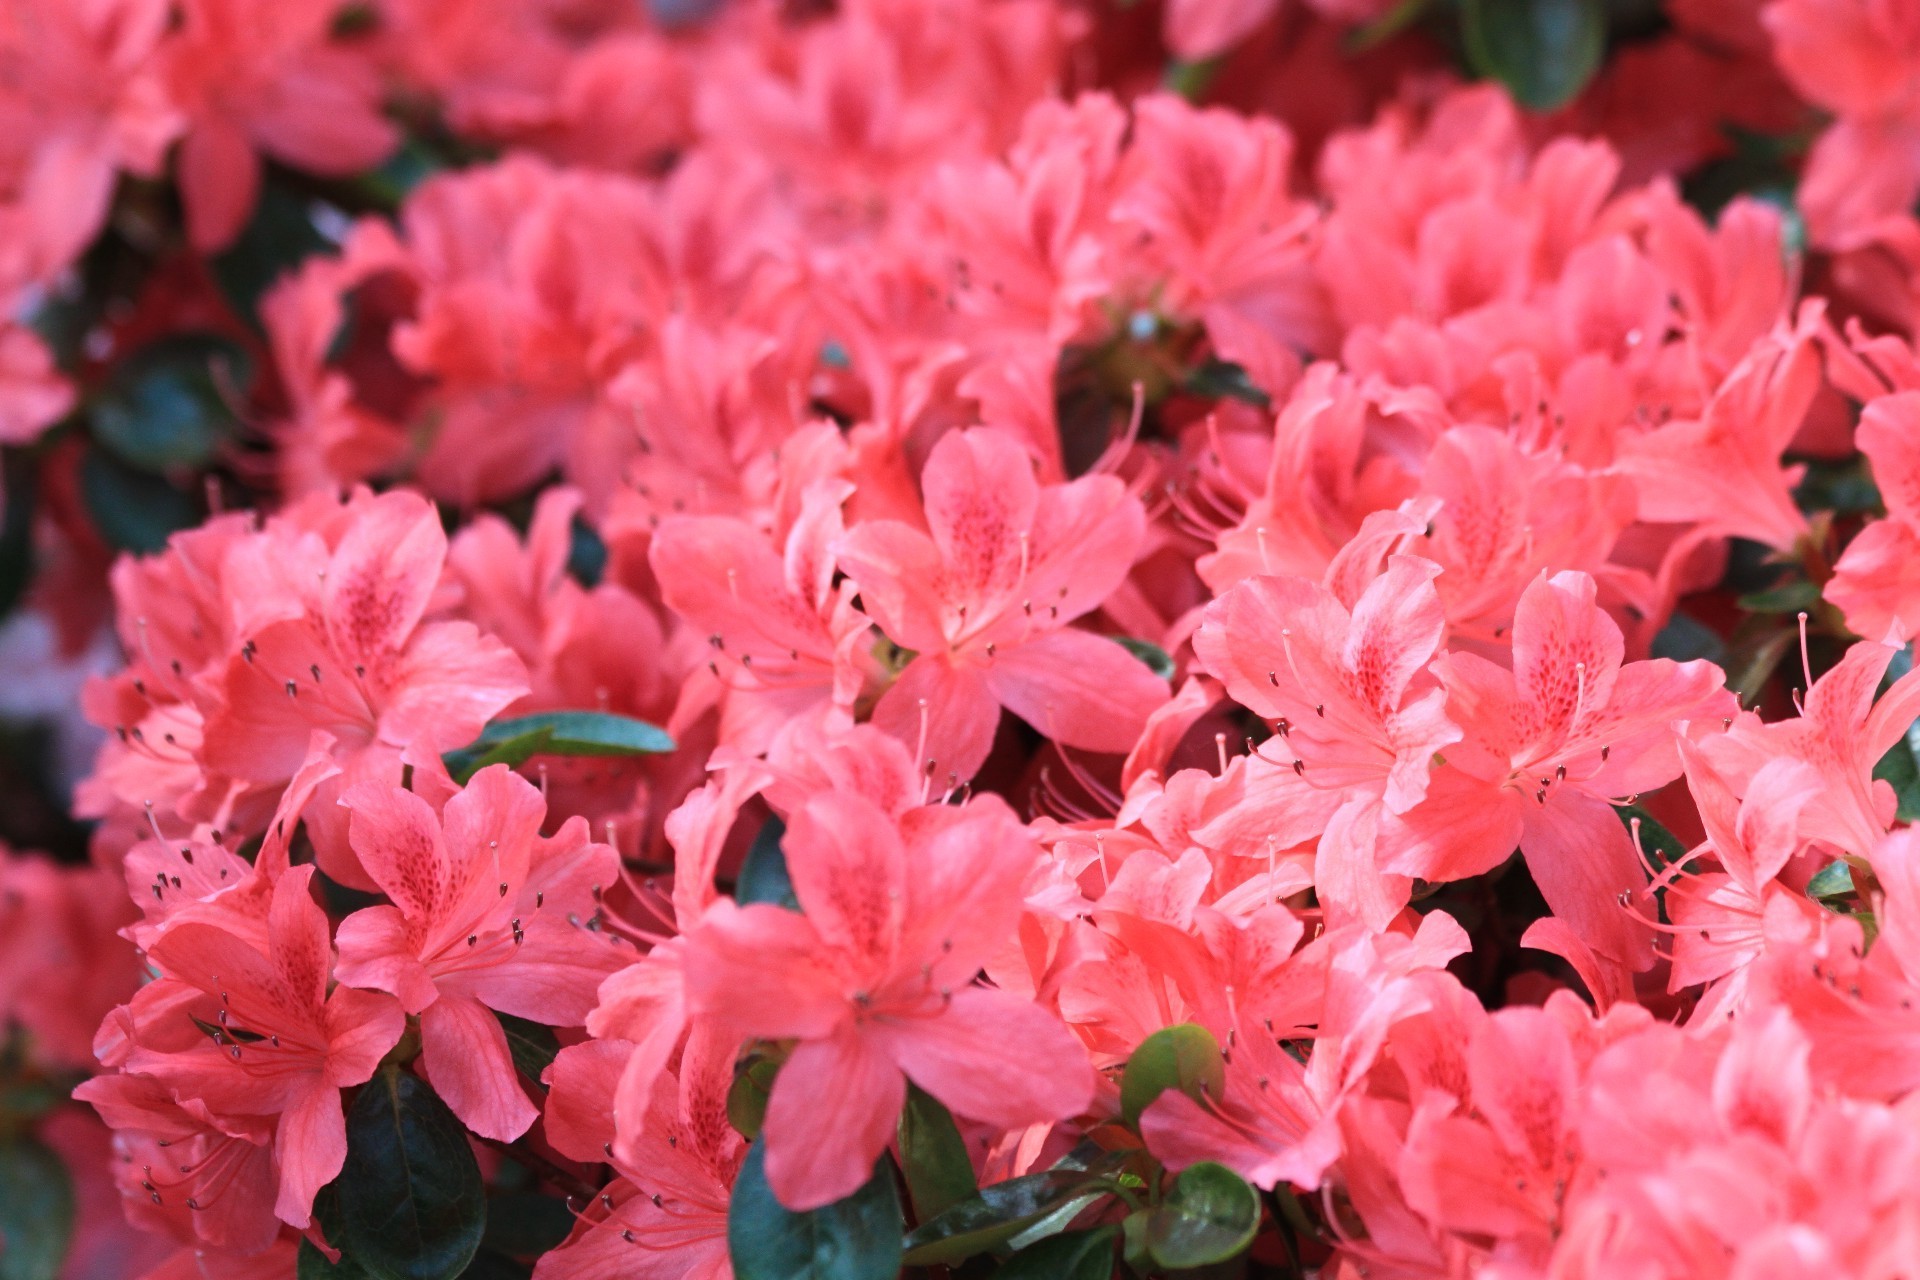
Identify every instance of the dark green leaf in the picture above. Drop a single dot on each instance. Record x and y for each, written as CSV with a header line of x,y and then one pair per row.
x,y
36,1211
1221,380
857,1238
1543,51
1662,846
280,235
1835,880
557,733
1900,769
523,1225
933,1155
132,510
402,171
412,1204
1846,487
533,1046
763,874
489,1265
1209,1216
1185,1057
586,554
994,1216
170,404
1073,1255
1684,639
1792,596
1157,659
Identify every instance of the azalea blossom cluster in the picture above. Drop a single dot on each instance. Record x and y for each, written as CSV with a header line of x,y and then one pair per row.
x,y
864,622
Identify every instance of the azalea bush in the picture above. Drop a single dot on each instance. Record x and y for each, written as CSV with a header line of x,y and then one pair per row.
x,y
1040,639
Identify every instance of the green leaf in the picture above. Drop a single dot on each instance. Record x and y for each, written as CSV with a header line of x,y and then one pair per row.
x,y
36,1211
1209,1216
1190,80
1662,846
1846,487
533,1046
1073,1255
1835,880
857,1238
1683,639
281,234
1184,1057
1543,51
749,1094
133,511
523,1225
556,733
1795,595
1220,380
933,1156
1900,769
763,874
169,405
587,554
1157,659
994,1216
412,1204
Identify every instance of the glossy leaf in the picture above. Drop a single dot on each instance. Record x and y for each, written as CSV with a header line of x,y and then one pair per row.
x,y
1543,51
1792,596
1073,1255
1835,880
1156,659
412,1205
170,404
133,511
933,1156
857,1238
993,1217
763,874
1184,1057
533,1046
1209,1216
36,1211
752,1089
523,1225
557,733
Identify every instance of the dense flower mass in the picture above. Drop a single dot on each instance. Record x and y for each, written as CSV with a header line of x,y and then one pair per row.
x,y
1029,638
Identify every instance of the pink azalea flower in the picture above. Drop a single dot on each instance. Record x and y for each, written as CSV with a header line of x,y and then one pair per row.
x,y
487,915
1346,684
874,981
278,1044
984,597
1547,747
341,645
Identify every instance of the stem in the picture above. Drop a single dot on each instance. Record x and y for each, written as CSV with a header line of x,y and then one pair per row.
x,y
549,1172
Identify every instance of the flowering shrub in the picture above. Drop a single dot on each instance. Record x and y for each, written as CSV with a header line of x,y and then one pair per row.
x,y
1041,639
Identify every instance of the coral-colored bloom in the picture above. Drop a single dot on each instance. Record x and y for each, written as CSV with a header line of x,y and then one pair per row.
x,y
1346,684
1548,745
276,1042
487,915
984,599
874,981
342,645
